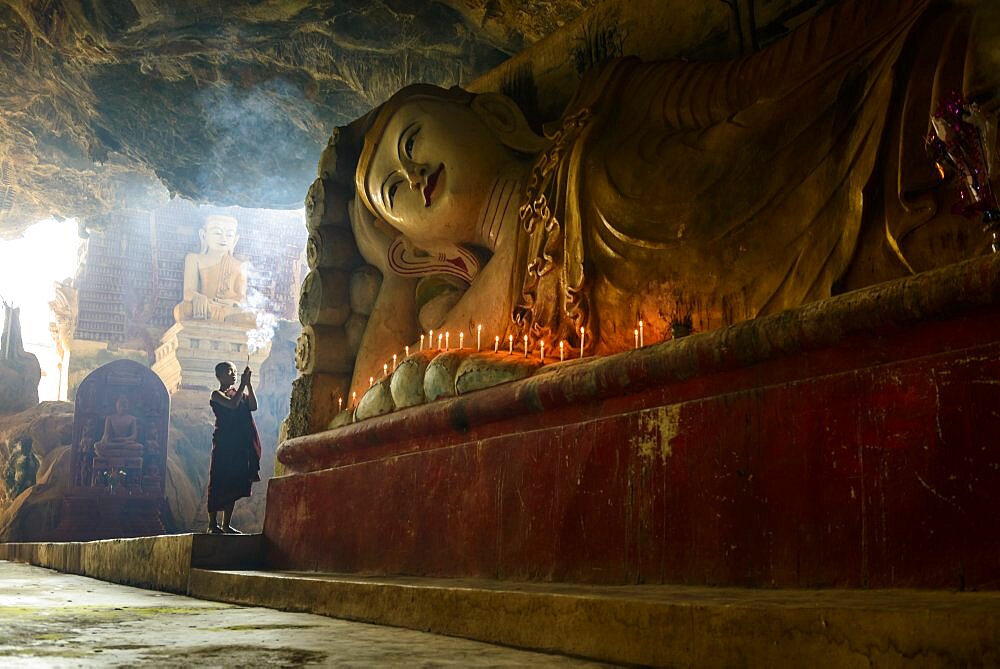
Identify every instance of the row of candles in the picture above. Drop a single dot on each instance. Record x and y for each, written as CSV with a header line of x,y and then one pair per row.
x,y
445,337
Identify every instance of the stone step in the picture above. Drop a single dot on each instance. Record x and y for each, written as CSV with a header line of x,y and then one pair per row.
x,y
642,624
648,625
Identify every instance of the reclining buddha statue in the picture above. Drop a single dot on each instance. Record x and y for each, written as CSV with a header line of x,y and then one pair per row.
x,y
672,191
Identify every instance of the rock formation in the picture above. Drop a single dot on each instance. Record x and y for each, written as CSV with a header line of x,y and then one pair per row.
x,y
228,103
19,370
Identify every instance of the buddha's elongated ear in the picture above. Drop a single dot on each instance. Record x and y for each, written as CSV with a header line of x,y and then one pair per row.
x,y
407,260
505,118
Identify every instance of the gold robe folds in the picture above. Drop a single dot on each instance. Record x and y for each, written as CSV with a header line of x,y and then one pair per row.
x,y
718,192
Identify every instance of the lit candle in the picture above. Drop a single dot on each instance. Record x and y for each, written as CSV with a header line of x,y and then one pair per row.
x,y
385,369
562,351
354,398
636,332
340,404
439,340
447,337
496,344
421,342
371,381
641,342
407,349
394,362
479,337
583,336
541,351
510,344
430,339
461,340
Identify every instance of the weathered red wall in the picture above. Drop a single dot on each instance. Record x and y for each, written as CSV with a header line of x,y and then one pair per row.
x,y
865,458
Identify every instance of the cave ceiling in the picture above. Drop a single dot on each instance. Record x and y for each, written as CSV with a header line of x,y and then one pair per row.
x,y
120,104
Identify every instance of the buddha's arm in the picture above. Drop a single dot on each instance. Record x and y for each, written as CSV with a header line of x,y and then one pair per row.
x,y
686,95
391,326
108,431
190,277
241,283
133,430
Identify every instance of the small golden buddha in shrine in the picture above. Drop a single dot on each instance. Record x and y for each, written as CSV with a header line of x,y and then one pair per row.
x,y
121,434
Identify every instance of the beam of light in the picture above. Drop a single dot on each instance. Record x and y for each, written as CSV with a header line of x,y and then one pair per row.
x,y
47,253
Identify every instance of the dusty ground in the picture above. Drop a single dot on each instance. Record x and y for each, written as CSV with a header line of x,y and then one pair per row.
x,y
59,620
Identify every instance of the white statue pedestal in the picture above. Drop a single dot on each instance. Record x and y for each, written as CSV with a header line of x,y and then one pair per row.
x,y
190,350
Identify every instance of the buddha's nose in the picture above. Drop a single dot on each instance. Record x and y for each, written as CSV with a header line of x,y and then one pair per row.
x,y
416,175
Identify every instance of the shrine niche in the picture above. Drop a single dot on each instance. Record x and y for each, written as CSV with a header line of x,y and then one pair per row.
x,y
120,429
119,455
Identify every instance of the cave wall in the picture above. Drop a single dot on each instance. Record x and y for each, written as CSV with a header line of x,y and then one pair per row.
x,y
108,103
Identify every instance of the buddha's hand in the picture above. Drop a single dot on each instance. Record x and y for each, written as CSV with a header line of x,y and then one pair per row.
x,y
372,240
199,305
226,303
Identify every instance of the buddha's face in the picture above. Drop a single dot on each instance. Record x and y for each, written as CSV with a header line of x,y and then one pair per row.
x,y
432,172
121,406
219,235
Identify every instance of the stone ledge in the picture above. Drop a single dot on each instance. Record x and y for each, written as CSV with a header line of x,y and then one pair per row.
x,y
648,625
157,563
876,311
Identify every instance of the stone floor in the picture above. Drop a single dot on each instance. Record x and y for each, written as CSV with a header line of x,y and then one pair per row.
x,y
59,620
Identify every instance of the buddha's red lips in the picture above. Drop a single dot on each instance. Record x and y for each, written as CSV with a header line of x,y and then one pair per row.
x,y
431,183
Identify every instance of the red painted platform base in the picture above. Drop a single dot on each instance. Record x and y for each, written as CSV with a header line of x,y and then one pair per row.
x,y
92,515
852,442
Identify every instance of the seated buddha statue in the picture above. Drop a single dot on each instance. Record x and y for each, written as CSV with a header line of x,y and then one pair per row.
x,y
215,282
121,434
675,192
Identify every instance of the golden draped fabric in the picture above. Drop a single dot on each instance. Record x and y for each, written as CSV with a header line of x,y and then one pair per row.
x,y
718,192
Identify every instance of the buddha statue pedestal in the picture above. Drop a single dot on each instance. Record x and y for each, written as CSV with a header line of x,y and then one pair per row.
x,y
842,443
189,351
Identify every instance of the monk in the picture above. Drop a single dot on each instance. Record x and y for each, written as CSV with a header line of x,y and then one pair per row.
x,y
673,192
235,461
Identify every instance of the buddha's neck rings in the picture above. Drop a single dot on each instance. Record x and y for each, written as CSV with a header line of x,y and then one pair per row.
x,y
501,206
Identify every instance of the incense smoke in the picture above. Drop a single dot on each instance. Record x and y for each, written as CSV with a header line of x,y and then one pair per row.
x,y
259,337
